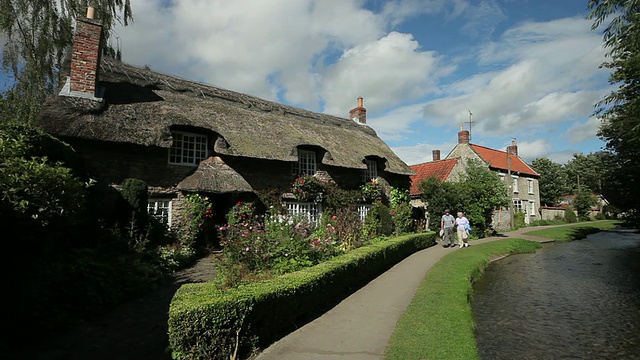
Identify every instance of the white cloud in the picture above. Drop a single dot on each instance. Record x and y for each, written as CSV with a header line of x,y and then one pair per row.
x,y
420,153
546,68
262,48
529,150
583,130
384,72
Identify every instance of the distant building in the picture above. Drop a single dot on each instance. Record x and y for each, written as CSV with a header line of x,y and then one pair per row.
x,y
520,178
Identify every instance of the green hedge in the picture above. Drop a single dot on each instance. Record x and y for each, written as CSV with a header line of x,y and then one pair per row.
x,y
207,323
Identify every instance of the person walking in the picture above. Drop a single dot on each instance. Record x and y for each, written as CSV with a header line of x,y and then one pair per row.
x,y
462,223
446,226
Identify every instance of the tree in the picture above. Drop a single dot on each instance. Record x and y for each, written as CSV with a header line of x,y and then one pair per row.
x,y
620,110
583,202
482,191
587,170
438,196
37,33
553,180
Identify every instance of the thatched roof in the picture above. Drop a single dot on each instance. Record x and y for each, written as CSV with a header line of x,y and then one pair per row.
x,y
141,107
214,175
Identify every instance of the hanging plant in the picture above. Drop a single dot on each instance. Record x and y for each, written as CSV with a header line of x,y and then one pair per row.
x,y
307,188
371,191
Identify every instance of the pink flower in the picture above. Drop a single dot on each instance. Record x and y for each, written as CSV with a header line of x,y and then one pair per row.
x,y
334,217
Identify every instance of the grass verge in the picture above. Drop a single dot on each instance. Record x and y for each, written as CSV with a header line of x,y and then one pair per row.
x,y
575,231
438,324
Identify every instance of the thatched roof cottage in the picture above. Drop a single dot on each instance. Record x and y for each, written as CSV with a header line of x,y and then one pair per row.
x,y
181,136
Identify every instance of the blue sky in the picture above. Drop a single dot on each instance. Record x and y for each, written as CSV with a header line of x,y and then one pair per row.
x,y
526,69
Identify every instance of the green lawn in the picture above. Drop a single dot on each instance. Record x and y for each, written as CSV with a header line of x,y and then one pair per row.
x,y
575,231
438,324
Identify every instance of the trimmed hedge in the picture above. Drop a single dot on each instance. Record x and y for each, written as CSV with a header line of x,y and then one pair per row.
x,y
207,323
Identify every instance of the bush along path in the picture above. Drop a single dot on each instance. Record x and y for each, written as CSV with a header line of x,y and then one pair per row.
x,y
135,330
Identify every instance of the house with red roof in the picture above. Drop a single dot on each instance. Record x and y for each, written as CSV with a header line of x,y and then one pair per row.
x,y
520,178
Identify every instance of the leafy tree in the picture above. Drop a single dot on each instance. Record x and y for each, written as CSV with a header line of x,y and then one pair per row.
x,y
438,196
583,202
620,110
36,34
587,170
553,180
482,191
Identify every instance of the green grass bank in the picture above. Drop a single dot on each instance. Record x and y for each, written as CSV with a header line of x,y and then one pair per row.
x,y
438,324
575,231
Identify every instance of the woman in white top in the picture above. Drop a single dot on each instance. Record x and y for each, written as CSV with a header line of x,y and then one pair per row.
x,y
462,223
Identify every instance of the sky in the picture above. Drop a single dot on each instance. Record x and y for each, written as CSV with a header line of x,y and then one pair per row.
x,y
523,70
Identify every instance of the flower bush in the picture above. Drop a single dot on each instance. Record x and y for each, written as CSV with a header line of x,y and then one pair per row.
x,y
371,191
307,188
260,246
197,218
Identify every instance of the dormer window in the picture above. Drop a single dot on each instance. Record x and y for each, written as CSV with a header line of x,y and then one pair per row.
x,y
371,172
188,148
306,164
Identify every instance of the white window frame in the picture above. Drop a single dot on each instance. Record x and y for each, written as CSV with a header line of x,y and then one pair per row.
x,y
371,172
517,205
514,179
188,148
306,164
363,211
160,208
530,186
532,208
310,211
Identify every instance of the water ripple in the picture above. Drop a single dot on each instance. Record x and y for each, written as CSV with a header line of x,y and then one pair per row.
x,y
575,300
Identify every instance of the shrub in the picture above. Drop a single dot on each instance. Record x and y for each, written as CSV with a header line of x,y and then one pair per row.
x,y
518,219
378,221
307,188
371,191
570,215
600,216
207,323
136,195
402,221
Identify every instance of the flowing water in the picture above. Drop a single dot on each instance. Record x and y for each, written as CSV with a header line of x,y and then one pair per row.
x,y
574,300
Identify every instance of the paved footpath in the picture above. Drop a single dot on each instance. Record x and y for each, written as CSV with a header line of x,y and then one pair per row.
x,y
361,325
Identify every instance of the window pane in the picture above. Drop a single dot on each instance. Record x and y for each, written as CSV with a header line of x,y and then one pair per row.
x,y
187,149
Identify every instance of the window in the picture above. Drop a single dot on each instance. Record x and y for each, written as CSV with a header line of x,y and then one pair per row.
x,y
371,172
530,186
532,208
310,211
161,210
363,210
187,149
517,205
515,183
306,164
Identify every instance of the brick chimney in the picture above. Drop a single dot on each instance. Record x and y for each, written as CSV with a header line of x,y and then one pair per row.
x,y
513,148
463,136
435,155
85,56
359,113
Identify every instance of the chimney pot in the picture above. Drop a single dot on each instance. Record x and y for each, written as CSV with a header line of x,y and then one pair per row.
x,y
436,155
91,11
359,113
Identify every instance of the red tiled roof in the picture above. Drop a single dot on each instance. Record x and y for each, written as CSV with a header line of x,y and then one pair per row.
x,y
440,169
498,160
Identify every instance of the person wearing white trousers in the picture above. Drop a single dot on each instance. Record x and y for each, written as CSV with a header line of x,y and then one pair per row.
x,y
462,222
